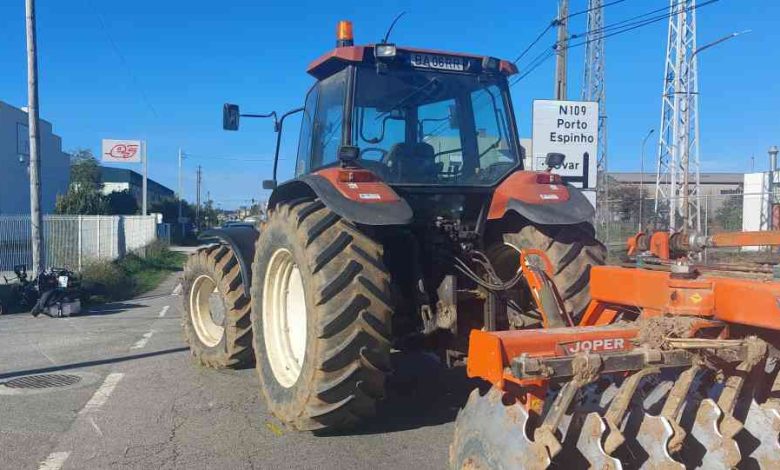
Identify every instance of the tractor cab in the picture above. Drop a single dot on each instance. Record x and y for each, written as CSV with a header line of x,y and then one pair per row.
x,y
410,116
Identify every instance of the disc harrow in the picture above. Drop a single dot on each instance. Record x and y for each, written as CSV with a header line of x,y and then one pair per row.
x,y
676,369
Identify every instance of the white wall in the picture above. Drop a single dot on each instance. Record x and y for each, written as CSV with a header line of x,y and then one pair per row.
x,y
14,176
754,202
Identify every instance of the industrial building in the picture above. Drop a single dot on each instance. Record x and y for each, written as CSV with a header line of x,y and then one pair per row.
x,y
15,161
715,187
121,179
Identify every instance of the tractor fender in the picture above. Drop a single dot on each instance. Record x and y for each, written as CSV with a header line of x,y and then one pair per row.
x,y
368,203
541,203
242,241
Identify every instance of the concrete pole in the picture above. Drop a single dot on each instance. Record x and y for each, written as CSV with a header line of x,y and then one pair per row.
x,y
144,186
36,218
561,52
197,197
180,195
773,150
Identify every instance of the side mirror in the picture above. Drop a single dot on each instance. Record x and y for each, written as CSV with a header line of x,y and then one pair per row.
x,y
269,184
554,160
230,117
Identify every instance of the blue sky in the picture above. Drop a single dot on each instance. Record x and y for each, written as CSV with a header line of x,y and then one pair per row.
x,y
175,62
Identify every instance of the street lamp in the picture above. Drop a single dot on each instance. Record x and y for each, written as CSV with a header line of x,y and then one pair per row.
x,y
642,176
686,150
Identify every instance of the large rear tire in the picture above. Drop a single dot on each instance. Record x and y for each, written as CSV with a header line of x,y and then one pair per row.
x,y
321,311
572,249
215,314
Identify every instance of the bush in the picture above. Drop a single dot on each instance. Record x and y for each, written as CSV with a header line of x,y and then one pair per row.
x,y
104,281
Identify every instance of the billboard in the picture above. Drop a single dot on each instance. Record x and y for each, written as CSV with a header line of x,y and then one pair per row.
x,y
570,128
121,151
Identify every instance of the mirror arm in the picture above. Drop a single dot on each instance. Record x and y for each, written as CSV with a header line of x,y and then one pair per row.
x,y
278,126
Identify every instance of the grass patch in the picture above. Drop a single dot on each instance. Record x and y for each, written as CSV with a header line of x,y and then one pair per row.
x,y
107,281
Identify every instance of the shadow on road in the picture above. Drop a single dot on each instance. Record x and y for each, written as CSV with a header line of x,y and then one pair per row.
x,y
420,393
108,309
98,362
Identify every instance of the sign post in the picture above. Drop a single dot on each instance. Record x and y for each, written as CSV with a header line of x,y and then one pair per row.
x,y
570,128
128,151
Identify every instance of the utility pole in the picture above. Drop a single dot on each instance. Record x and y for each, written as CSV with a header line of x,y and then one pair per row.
x,y
561,49
36,218
770,221
181,194
594,89
642,180
677,177
197,196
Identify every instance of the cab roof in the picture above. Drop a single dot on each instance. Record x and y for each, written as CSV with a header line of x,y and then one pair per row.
x,y
338,58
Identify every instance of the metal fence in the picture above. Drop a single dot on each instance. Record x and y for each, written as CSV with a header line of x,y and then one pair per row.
x,y
719,213
73,240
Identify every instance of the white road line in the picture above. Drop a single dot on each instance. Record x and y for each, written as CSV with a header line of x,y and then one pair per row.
x,y
177,289
142,342
54,461
164,310
101,395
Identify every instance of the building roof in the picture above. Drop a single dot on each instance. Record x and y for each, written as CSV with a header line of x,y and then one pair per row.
x,y
706,178
110,174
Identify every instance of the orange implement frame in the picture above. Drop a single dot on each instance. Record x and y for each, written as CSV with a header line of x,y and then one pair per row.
x,y
716,300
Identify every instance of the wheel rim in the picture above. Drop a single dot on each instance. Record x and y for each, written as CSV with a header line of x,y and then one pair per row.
x,y
207,311
284,318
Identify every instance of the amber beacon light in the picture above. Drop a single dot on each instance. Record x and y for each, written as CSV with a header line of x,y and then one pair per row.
x,y
344,36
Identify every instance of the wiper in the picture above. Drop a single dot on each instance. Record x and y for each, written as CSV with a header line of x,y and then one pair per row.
x,y
403,100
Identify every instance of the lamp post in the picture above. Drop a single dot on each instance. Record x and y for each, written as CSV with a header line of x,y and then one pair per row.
x,y
642,177
687,148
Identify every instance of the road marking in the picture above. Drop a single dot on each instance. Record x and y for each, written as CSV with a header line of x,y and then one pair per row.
x,y
54,461
103,392
177,289
142,342
164,310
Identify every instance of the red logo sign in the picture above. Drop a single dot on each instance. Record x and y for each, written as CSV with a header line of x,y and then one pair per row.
x,y
123,151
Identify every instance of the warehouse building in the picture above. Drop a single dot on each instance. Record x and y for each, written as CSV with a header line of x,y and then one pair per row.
x,y
121,179
15,161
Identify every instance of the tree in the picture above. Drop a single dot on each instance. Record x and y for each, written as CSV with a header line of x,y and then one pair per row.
x,y
208,215
729,215
122,203
84,196
169,208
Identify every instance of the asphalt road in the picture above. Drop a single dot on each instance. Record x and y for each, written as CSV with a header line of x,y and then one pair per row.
x,y
141,403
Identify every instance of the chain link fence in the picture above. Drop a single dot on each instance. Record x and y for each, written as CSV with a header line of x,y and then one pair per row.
x,y
74,240
719,213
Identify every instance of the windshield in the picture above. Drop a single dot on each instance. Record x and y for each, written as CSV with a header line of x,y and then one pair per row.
x,y
416,127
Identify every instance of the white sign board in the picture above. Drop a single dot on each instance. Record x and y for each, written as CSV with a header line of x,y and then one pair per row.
x,y
122,151
570,128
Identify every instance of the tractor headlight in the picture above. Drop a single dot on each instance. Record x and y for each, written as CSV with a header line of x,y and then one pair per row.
x,y
384,51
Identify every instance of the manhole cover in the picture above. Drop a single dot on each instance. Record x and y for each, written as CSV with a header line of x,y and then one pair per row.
x,y
43,381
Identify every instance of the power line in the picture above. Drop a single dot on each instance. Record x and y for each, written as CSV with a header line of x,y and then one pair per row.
x,y
625,29
122,59
238,159
555,23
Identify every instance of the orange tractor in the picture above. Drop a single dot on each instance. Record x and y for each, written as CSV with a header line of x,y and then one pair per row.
x,y
411,222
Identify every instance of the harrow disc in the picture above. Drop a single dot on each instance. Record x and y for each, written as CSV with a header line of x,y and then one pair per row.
x,y
644,421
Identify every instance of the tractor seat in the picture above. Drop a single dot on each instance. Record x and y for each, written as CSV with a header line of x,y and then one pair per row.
x,y
413,163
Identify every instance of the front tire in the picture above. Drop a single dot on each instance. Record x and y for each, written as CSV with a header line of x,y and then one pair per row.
x,y
321,314
215,313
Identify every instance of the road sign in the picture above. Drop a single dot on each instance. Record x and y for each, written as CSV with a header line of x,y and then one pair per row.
x,y
570,128
121,151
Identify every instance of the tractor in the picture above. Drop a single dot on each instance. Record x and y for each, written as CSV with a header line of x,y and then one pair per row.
x,y
411,222
401,228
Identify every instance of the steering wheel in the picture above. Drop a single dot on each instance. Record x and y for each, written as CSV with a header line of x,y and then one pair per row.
x,y
373,149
